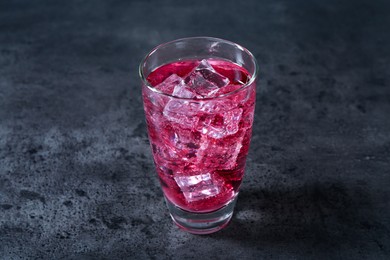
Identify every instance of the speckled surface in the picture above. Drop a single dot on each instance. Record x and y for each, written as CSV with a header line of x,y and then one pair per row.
x,y
76,174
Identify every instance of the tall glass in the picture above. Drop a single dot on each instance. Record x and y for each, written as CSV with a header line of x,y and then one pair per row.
x,y
199,99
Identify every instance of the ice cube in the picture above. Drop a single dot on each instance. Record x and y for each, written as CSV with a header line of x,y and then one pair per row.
x,y
181,112
209,73
217,106
169,84
200,186
222,153
205,80
220,125
184,143
183,91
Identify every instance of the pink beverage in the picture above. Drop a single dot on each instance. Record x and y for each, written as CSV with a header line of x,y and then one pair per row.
x,y
199,115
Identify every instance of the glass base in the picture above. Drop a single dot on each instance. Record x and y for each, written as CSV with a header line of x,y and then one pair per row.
x,y
202,223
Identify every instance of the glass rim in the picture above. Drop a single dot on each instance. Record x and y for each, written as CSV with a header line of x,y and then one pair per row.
x,y
152,88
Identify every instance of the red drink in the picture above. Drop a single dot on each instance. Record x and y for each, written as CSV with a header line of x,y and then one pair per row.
x,y
199,130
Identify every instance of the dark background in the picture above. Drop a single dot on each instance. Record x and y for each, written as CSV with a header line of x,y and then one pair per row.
x,y
76,174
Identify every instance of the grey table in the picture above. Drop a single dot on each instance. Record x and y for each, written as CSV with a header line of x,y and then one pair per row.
x,y
76,174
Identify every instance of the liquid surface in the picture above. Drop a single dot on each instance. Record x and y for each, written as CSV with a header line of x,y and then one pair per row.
x,y
200,146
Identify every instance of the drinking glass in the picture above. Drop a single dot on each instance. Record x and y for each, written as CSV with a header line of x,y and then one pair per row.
x,y
199,98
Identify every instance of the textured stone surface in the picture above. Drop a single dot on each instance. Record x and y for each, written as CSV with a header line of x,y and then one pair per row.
x,y
76,174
